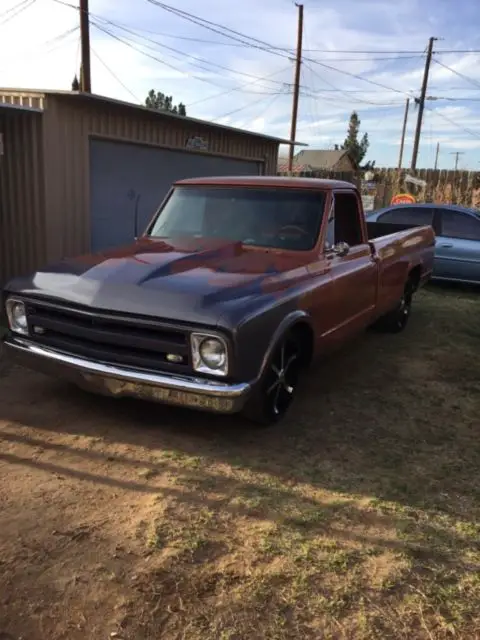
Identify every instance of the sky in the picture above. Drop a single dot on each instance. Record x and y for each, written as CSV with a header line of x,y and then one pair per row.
x,y
137,45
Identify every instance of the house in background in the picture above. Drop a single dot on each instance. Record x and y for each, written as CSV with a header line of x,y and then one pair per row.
x,y
312,160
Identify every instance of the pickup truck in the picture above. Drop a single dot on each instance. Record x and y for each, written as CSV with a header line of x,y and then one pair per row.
x,y
235,288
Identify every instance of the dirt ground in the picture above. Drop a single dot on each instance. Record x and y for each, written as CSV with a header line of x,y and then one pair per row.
x,y
356,518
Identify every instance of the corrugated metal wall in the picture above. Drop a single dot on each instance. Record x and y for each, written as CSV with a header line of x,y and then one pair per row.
x,y
44,174
22,215
70,120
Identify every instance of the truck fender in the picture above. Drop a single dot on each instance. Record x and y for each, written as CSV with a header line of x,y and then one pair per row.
x,y
287,323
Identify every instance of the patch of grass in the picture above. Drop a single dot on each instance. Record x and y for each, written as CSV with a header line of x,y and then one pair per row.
x,y
357,518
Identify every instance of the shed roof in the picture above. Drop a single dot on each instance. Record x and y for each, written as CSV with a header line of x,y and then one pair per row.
x,y
322,158
92,97
6,106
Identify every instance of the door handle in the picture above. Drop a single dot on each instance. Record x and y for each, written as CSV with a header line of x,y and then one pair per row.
x,y
446,246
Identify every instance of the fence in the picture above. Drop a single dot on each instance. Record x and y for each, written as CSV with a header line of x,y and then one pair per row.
x,y
347,176
443,187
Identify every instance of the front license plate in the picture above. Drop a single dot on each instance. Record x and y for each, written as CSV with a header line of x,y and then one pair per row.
x,y
182,398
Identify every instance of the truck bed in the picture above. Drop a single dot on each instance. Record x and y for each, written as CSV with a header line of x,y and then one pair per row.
x,y
379,229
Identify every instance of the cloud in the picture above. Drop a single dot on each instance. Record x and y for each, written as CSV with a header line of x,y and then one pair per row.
x,y
222,80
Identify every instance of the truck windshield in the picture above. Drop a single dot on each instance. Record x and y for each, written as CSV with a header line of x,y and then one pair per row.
x,y
259,216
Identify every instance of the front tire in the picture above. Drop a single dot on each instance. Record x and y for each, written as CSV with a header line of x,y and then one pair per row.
x,y
278,385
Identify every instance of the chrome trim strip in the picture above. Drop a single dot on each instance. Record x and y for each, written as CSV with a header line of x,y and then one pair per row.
x,y
166,381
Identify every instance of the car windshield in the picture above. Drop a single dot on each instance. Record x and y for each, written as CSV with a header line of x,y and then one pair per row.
x,y
278,218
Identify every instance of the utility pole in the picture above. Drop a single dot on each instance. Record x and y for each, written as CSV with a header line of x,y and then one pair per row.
x,y
296,87
421,103
404,130
85,79
436,156
456,154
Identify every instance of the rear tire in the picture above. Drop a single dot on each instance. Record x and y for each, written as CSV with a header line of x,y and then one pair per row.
x,y
278,385
396,321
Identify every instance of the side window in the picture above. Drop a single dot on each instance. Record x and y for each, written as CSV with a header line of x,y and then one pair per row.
x,y
330,239
460,225
408,215
347,226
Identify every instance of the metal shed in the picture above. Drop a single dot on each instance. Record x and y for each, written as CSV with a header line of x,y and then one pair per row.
x,y
77,170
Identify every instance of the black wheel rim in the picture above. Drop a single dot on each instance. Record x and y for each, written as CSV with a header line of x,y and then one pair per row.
x,y
404,308
282,377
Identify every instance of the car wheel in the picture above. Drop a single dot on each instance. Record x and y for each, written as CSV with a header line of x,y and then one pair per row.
x,y
278,385
397,320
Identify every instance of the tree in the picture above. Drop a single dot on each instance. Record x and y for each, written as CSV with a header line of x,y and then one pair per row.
x,y
162,102
369,166
357,149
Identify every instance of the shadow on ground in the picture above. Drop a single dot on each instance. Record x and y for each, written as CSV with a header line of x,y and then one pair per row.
x,y
393,417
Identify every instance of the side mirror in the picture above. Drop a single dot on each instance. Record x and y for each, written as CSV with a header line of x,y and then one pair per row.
x,y
339,249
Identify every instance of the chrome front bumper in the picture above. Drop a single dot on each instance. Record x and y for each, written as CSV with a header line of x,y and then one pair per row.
x,y
112,380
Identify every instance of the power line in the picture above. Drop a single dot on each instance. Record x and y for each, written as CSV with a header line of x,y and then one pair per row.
x,y
14,8
114,75
279,51
457,73
148,55
391,52
284,48
201,66
239,88
56,42
275,49
458,99
215,28
334,88
269,105
260,44
264,46
315,113
246,106
391,55
187,73
369,59
358,77
15,11
185,54
453,123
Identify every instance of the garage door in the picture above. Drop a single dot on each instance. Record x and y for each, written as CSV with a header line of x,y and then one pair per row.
x,y
125,178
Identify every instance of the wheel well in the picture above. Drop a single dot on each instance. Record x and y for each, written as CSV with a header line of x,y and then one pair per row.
x,y
304,333
415,275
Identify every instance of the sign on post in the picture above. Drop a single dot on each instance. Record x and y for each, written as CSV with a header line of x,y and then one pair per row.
x,y
403,198
368,203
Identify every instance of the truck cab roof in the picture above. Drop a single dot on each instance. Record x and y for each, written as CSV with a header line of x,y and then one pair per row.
x,y
269,181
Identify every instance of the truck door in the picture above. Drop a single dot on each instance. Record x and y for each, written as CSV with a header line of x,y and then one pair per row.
x,y
354,271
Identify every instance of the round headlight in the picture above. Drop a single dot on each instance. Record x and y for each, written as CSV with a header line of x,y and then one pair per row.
x,y
17,316
212,352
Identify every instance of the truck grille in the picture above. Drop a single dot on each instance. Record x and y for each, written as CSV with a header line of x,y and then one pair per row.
x,y
105,337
